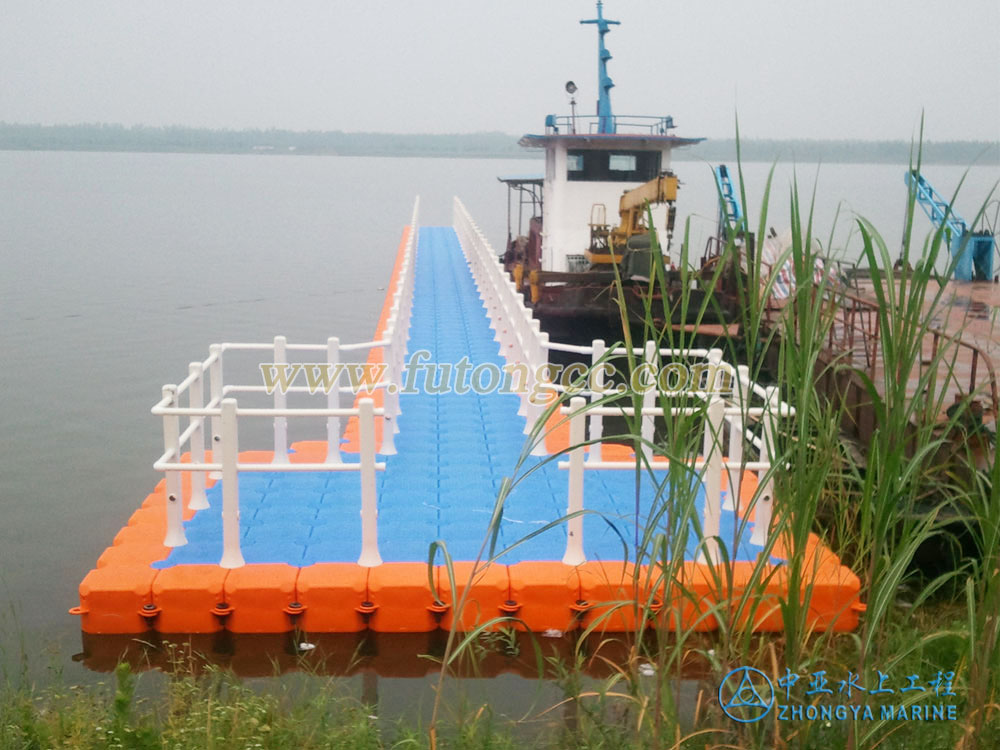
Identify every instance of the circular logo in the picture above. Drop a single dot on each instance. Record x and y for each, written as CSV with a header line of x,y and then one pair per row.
x,y
746,695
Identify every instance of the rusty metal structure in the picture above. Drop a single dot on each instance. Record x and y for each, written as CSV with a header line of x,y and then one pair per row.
x,y
959,350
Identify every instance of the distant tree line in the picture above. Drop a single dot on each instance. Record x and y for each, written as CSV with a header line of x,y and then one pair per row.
x,y
861,152
111,137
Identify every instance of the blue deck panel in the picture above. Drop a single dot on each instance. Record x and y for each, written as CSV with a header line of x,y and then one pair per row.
x,y
453,452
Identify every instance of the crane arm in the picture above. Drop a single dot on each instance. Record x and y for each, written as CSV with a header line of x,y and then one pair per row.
x,y
660,189
938,210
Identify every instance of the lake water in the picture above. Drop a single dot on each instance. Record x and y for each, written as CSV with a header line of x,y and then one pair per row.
x,y
119,269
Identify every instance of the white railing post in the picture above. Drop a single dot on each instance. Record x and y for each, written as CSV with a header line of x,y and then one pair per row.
x,y
536,351
598,350
215,391
535,359
529,355
232,556
370,556
763,508
535,411
574,527
333,401
712,450
737,436
196,400
648,428
280,402
735,459
171,447
390,398
714,358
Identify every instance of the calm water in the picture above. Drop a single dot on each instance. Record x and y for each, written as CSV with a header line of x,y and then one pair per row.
x,y
118,269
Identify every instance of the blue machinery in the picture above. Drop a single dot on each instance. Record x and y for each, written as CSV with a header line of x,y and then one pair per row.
x,y
730,213
605,84
974,250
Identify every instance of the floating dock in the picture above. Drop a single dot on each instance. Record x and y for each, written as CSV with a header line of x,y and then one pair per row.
x,y
334,535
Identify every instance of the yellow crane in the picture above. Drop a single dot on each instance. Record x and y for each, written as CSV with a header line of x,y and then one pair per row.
x,y
608,244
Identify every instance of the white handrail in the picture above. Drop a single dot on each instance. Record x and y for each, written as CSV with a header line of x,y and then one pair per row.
x,y
712,463
223,412
521,340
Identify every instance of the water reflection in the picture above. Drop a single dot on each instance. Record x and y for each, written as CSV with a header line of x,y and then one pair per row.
x,y
528,679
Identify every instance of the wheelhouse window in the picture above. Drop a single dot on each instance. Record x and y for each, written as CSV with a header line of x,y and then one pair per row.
x,y
612,166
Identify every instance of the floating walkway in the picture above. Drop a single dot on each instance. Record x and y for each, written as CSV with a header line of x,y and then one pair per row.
x,y
334,535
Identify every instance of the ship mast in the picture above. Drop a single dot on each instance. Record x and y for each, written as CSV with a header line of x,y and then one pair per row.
x,y
606,119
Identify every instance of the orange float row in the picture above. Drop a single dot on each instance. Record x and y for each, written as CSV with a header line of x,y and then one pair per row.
x,y
400,597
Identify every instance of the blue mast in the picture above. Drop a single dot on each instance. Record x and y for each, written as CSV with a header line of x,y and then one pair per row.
x,y
606,119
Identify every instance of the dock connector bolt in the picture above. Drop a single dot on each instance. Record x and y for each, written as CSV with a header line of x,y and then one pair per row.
x,y
149,611
366,609
438,609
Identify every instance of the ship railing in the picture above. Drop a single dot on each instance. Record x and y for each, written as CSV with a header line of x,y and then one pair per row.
x,y
727,445
622,124
378,379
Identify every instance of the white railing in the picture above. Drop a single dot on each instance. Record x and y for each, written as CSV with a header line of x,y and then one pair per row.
x,y
522,341
519,334
224,412
726,443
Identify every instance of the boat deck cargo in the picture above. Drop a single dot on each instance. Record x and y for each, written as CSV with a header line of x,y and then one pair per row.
x,y
334,535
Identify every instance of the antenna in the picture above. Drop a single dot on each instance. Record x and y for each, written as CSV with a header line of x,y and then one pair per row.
x,y
605,117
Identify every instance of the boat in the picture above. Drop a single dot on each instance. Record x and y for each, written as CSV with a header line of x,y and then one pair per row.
x,y
443,483
599,217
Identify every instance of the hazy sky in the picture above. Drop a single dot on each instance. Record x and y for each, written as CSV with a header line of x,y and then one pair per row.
x,y
790,68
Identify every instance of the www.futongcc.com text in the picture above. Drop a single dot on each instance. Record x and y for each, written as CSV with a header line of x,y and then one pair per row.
x,y
420,375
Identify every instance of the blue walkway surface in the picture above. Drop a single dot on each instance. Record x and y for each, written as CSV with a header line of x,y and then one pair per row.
x,y
453,452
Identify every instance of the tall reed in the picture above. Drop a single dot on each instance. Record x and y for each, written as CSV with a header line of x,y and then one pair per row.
x,y
896,500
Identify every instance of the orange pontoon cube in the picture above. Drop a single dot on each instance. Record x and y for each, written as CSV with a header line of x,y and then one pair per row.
x,y
330,595
260,597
